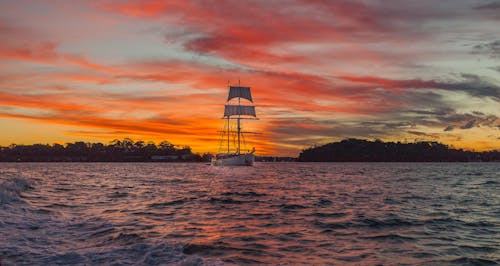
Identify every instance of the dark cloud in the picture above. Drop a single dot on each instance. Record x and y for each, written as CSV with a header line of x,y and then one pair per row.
x,y
475,86
452,120
489,6
468,120
471,84
469,124
436,111
388,125
490,49
423,134
448,128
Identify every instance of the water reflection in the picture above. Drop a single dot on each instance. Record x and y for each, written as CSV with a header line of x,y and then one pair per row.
x,y
271,213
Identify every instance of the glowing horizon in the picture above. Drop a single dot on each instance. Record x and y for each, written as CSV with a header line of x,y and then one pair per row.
x,y
320,71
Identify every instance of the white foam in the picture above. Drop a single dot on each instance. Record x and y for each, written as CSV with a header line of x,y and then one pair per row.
x,y
11,188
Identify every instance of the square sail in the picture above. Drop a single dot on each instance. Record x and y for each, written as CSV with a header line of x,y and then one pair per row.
x,y
230,110
242,92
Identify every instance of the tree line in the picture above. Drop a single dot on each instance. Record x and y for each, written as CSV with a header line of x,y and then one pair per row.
x,y
125,150
358,150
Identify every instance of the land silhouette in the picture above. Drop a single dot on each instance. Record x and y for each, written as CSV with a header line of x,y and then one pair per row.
x,y
348,150
358,150
125,150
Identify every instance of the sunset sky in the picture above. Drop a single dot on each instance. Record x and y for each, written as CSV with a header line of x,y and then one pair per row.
x,y
320,71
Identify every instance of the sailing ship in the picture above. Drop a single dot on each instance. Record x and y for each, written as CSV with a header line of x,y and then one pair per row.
x,y
234,113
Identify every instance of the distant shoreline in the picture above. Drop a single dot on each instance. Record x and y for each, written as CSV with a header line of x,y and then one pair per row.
x,y
265,162
348,150
358,150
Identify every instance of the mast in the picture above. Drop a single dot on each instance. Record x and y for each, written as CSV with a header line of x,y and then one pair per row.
x,y
228,134
229,86
239,119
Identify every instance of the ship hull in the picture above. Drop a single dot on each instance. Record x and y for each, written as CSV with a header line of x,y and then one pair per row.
x,y
235,160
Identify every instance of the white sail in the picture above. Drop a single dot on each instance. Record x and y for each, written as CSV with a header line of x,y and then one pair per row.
x,y
242,92
230,110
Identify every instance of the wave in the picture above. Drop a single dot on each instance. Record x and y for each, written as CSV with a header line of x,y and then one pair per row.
x,y
236,255
439,221
323,202
118,195
370,223
224,200
244,194
180,201
11,189
334,225
473,261
484,249
380,223
132,254
214,249
329,214
448,221
291,207
390,237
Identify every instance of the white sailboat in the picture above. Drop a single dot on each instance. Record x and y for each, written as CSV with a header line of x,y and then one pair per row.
x,y
233,155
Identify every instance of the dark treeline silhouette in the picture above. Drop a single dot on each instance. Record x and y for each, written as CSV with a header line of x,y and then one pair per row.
x,y
356,150
125,150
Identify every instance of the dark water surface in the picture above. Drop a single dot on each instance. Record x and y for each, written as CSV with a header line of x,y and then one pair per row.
x,y
282,213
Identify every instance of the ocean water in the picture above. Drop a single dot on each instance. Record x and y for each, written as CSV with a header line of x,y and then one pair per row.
x,y
272,213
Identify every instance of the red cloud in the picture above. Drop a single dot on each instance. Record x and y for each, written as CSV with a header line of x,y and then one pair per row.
x,y
42,52
247,33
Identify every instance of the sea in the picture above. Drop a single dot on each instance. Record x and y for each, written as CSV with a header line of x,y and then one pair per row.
x,y
271,213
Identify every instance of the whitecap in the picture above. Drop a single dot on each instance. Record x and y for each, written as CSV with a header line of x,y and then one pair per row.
x,y
10,189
